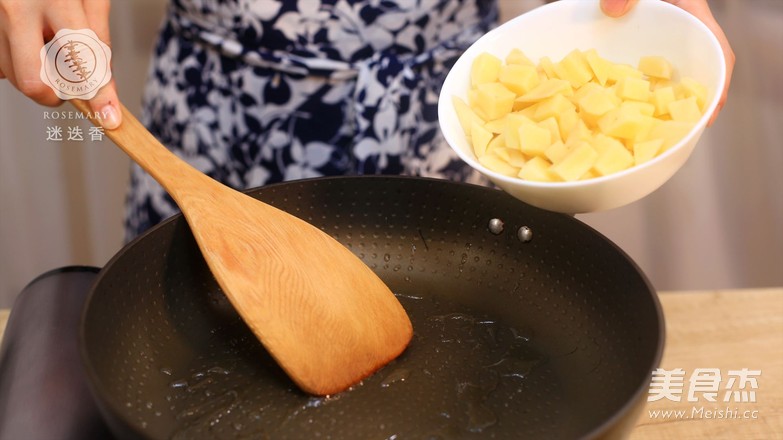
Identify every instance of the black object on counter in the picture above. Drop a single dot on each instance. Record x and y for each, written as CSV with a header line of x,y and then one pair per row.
x,y
43,390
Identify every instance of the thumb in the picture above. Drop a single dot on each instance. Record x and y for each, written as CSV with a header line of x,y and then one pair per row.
x,y
617,8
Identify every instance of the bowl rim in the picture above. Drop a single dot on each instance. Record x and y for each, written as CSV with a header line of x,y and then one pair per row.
x,y
445,101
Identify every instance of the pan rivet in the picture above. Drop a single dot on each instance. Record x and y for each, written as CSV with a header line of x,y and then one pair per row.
x,y
525,234
496,226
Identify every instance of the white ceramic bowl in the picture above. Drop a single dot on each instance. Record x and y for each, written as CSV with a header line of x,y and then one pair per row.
x,y
652,27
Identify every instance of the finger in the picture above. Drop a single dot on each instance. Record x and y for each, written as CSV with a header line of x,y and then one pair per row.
x,y
5,60
617,8
94,15
25,63
97,14
107,104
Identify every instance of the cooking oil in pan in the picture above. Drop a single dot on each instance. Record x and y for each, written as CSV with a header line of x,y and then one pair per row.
x,y
464,375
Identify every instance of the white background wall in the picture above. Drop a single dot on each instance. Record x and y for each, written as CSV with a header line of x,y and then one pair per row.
x,y
718,223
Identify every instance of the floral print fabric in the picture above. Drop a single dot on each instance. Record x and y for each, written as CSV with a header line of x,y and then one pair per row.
x,y
253,92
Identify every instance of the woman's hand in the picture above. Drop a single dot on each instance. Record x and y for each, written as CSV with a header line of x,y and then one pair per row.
x,y
699,9
26,25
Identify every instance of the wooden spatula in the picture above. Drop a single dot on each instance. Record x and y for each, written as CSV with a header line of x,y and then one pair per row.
x,y
325,317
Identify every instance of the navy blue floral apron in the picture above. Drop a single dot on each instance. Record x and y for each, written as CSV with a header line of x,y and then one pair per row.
x,y
253,92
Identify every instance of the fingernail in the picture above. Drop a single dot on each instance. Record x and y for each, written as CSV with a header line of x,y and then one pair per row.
x,y
110,117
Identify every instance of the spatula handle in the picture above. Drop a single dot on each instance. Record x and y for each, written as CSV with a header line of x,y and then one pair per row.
x,y
143,148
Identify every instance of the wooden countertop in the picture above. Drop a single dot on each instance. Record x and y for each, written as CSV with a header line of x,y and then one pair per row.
x,y
727,330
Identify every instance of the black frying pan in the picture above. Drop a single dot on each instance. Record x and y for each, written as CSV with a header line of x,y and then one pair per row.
x,y
536,328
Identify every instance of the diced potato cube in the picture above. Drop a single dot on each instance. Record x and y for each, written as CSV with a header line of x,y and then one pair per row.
x,y
536,169
593,87
633,88
533,140
548,67
547,89
552,107
601,143
620,71
556,152
526,108
598,65
512,156
485,69
661,97
579,132
480,138
685,110
645,108
644,151
519,78
511,131
597,103
496,125
497,142
568,121
516,56
576,163
624,123
494,100
614,158
656,66
553,127
498,165
574,69
696,89
465,114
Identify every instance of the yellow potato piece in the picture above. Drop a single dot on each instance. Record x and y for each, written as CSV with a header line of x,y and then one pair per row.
x,y
516,56
511,131
533,139
519,78
466,115
574,69
626,123
576,163
614,158
498,165
480,137
485,69
691,87
494,100
661,97
644,151
633,88
598,65
512,156
685,110
536,169
546,89
552,107
556,152
656,67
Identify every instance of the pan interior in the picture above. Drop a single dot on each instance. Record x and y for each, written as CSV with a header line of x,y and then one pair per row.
x,y
546,338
